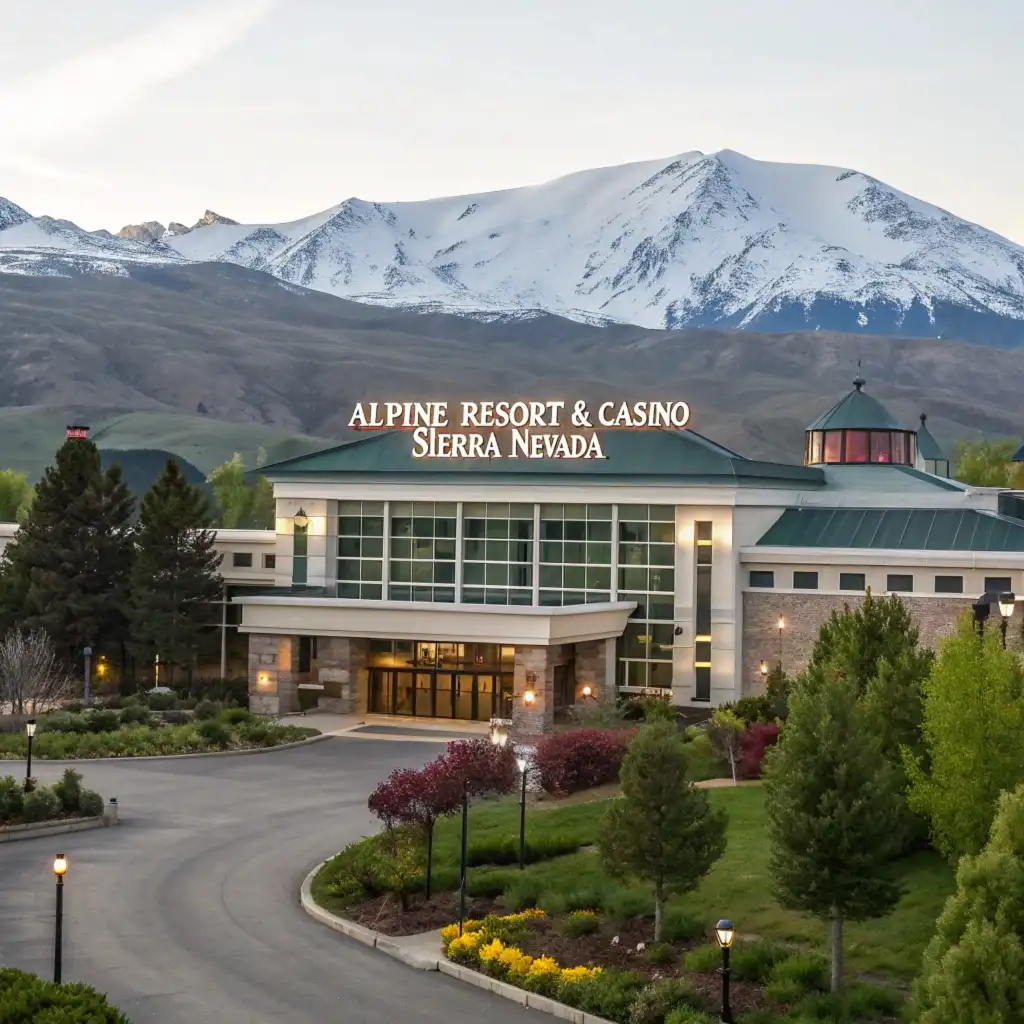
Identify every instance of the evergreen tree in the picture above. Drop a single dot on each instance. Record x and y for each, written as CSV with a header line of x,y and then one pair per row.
x,y
662,831
834,810
974,967
973,724
65,571
175,578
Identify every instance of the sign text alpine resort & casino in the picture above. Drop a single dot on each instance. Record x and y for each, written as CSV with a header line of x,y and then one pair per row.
x,y
530,430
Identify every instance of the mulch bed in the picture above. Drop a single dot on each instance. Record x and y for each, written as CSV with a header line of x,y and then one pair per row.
x,y
384,913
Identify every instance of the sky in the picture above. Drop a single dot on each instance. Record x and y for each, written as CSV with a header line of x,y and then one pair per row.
x,y
119,111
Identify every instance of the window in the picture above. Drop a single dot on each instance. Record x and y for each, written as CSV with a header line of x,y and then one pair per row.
x,y
805,580
647,553
762,578
833,446
949,584
702,610
360,561
880,446
575,554
998,585
899,448
815,447
270,561
899,583
497,552
300,548
851,581
856,446
242,559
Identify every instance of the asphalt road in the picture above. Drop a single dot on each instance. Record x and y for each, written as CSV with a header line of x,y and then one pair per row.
x,y
188,913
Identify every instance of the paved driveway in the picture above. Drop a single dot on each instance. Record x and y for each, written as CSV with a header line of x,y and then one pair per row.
x,y
188,912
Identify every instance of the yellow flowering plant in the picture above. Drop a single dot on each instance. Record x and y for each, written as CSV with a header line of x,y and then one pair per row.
x,y
543,975
574,975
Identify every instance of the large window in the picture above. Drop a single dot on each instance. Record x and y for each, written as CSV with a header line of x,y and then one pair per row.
x,y
422,564
360,549
647,575
575,554
497,553
949,584
763,578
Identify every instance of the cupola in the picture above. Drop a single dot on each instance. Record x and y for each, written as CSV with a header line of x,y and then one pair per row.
x,y
857,430
936,461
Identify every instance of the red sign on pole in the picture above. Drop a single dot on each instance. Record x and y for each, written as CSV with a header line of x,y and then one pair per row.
x,y
76,433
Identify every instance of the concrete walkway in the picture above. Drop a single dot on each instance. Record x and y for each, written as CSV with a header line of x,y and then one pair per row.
x,y
399,728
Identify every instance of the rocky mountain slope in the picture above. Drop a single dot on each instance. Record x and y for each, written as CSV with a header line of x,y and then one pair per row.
x,y
696,240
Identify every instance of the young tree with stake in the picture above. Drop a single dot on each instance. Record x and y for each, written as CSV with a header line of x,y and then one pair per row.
x,y
725,731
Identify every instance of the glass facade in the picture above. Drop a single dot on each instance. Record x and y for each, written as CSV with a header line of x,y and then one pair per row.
x,y
704,536
422,557
575,554
497,554
851,447
646,574
360,549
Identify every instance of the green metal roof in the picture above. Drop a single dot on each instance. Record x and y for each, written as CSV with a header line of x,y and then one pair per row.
x,y
895,529
857,411
927,446
656,455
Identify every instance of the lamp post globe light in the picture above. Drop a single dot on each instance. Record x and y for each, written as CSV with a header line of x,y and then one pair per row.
x,y
1007,602
499,734
60,869
30,732
300,519
522,763
725,933
782,629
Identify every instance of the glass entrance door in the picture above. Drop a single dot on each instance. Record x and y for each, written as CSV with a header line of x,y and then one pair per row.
x,y
444,695
470,696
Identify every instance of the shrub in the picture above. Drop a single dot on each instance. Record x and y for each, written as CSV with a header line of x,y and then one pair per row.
x,y
863,1001
505,850
609,994
12,798
176,717
135,715
754,708
680,926
69,790
488,884
624,903
660,953
207,709
688,1015
569,762
755,961
524,891
703,959
102,720
25,997
40,805
216,733
90,804
758,737
805,973
161,701
235,716
580,922
487,769
63,721
656,1001
563,901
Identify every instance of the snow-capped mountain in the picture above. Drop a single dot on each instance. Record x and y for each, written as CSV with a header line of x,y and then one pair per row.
x,y
695,240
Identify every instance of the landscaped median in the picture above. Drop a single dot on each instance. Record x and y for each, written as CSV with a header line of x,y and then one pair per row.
x,y
138,731
45,810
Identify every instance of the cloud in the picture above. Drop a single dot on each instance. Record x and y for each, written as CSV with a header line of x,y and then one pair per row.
x,y
74,99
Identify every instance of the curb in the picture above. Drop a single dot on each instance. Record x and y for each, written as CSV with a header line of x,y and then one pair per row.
x,y
176,757
387,944
14,833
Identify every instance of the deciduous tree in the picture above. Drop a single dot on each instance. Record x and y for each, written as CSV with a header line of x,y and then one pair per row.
x,y
973,724
834,810
175,578
241,502
16,495
32,678
662,830
725,731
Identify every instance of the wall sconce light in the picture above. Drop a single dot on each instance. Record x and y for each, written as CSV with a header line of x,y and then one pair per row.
x,y
263,681
529,698
588,691
301,520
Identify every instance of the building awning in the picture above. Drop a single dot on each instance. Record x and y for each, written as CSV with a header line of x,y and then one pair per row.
x,y
290,614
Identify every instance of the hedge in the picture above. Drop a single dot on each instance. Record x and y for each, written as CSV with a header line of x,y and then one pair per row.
x,y
25,997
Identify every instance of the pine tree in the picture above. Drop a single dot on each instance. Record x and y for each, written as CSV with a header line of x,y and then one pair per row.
x,y
65,571
662,831
175,578
973,969
834,810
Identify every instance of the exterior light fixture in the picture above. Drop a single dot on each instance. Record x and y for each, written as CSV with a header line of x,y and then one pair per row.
x,y
300,519
529,697
30,728
782,629
30,731
60,869
521,764
60,865
1006,605
499,735
764,669
588,691
725,933
782,623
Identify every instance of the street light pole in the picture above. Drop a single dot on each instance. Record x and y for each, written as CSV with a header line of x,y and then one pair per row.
x,y
465,850
60,867
88,675
30,732
521,765
782,627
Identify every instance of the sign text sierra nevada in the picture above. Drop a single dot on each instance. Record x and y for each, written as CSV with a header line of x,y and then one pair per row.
x,y
536,430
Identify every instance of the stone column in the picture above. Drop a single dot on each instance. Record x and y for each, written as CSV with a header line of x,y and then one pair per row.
x,y
595,667
273,661
534,670
342,662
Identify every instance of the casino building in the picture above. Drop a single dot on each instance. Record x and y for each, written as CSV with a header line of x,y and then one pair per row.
x,y
512,588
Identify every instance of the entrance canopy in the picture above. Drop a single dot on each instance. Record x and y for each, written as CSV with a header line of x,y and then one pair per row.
x,y
526,626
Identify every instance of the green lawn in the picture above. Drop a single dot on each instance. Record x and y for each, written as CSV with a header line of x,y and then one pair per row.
x,y
738,887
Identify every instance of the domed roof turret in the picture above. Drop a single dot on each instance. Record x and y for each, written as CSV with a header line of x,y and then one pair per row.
x,y
927,445
858,429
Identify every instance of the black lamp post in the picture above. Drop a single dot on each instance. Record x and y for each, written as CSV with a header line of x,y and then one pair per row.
x,y
725,934
88,675
782,629
30,732
60,867
465,850
1007,602
981,609
521,764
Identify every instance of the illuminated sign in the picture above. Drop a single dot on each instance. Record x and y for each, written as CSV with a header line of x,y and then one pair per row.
x,y
76,433
536,430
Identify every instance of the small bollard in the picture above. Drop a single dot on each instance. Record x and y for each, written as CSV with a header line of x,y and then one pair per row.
x,y
110,812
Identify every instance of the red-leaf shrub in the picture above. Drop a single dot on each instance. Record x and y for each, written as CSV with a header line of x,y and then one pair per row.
x,y
409,797
486,768
570,761
758,737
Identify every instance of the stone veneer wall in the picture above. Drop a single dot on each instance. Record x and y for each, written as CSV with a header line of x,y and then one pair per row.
x,y
804,613
532,722
276,658
342,667
595,667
